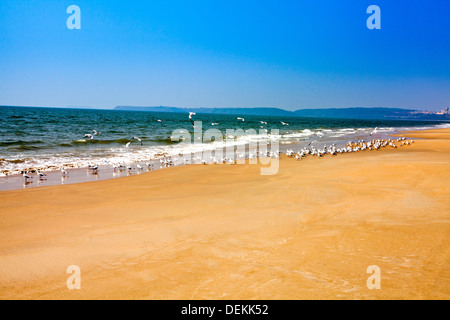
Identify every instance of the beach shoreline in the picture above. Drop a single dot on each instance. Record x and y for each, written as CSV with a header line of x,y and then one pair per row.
x,y
226,232
107,171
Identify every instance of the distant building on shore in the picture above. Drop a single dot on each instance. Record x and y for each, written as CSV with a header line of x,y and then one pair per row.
x,y
444,111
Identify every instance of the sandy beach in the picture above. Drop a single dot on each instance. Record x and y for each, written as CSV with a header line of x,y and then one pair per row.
x,y
227,232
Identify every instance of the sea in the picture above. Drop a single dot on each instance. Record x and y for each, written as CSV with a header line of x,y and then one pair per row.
x,y
51,138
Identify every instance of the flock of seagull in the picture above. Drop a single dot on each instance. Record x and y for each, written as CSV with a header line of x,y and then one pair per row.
x,y
290,153
349,148
332,150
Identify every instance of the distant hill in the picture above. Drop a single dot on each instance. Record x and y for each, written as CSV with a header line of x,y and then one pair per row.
x,y
347,113
372,113
356,113
151,109
235,111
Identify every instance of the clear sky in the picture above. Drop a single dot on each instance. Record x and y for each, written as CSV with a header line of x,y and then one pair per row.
x,y
287,54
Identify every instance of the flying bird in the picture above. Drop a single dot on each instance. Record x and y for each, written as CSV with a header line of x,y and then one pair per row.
x,y
136,138
284,123
90,136
242,119
374,131
95,132
190,118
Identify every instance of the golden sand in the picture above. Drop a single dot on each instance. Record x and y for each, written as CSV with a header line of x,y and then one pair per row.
x,y
227,232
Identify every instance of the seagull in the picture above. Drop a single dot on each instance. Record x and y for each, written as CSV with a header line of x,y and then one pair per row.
x,y
26,176
139,167
214,124
64,172
242,119
263,122
374,131
90,136
284,123
41,175
127,145
95,132
136,138
160,121
94,169
190,118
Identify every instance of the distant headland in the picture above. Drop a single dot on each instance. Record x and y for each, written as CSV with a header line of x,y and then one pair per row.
x,y
349,113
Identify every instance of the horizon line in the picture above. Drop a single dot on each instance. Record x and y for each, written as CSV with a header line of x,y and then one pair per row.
x,y
162,106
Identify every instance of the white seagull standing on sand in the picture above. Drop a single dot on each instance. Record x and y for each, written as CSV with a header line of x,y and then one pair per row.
x,y
26,176
64,173
41,175
94,168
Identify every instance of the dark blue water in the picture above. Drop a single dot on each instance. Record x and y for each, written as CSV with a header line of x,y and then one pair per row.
x,y
46,137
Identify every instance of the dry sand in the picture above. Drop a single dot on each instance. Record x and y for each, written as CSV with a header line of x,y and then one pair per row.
x,y
226,232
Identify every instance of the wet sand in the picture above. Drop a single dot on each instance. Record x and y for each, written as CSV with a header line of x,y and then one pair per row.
x,y
227,232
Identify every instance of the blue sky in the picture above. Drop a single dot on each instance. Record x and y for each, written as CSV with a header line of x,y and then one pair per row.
x,y
288,54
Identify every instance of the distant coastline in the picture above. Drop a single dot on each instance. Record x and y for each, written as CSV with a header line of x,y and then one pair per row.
x,y
361,113
338,113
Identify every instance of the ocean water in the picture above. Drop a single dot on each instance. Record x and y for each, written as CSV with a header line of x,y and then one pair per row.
x,y
48,138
